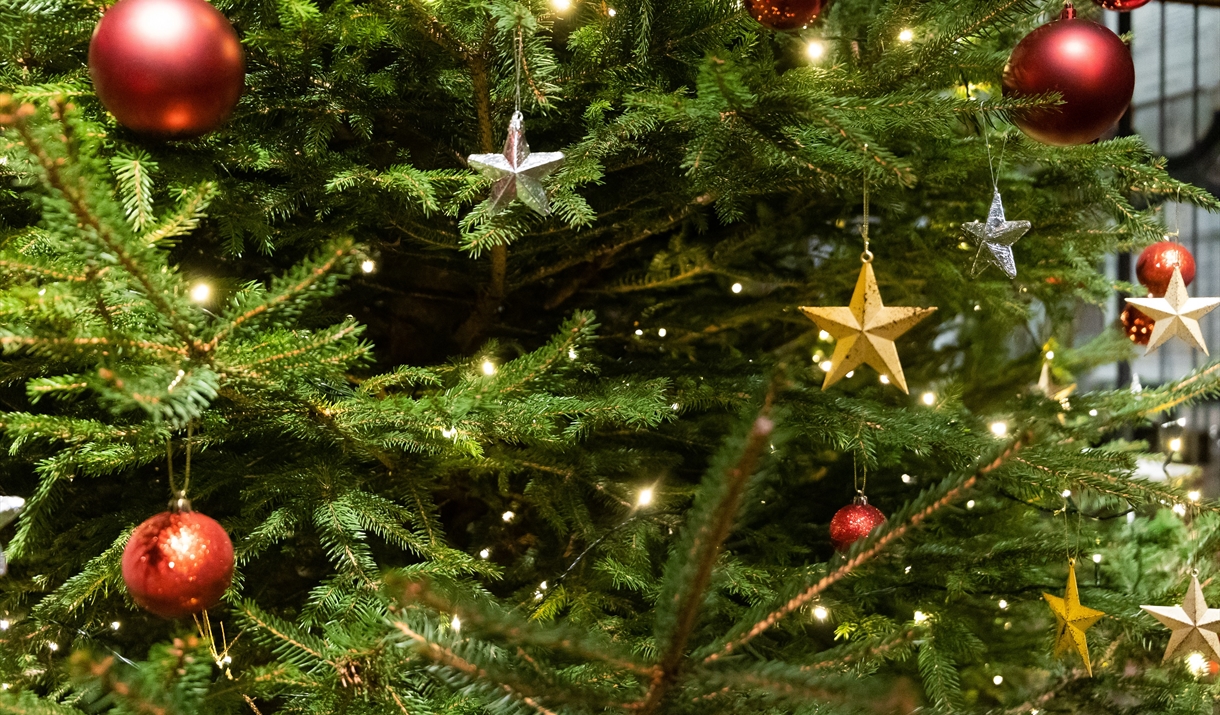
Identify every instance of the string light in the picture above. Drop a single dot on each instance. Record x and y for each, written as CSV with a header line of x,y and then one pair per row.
x,y
970,504
485,554
1130,517
1096,558
661,333
508,516
1193,495
1196,664
736,288
907,570
851,374
1050,354
449,432
826,365
4,624
815,50
645,497
1066,493
820,613
906,479
885,379
456,624
368,265
823,335
201,292
1003,605
639,332
921,617
906,36
115,625
489,367
53,646
571,353
929,398
1179,509
1092,413
1175,444
998,679
999,429
611,12
561,5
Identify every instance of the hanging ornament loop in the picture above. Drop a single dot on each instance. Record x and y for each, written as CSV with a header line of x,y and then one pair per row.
x,y
867,256
180,503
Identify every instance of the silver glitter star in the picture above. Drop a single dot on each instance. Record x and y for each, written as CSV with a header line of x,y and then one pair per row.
x,y
997,236
10,507
516,172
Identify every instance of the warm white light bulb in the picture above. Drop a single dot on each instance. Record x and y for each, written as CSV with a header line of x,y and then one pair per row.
x,y
921,617
4,624
456,624
1194,495
508,516
1092,413
201,292
970,504
561,5
999,429
736,288
906,479
645,497
826,365
820,613
368,265
823,335
815,50
929,398
489,367
1179,509
53,646
611,12
850,374
998,679
1196,663
1175,444
115,625
1066,493
485,553
1050,354
906,36
661,333
1096,558
1003,605
885,379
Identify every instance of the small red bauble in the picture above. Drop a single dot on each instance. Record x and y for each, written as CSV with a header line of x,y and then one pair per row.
x,y
854,522
1136,325
178,563
785,14
1122,5
1154,267
167,68
1086,64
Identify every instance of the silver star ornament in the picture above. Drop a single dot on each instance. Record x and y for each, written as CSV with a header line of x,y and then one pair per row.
x,y
995,237
516,173
10,508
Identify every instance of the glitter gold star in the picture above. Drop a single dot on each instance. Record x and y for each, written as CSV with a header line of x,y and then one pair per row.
x,y
1072,620
865,331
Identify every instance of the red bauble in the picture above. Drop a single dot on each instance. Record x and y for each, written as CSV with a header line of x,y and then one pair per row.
x,y
178,563
168,68
1136,325
1086,64
785,14
1155,266
854,522
1122,5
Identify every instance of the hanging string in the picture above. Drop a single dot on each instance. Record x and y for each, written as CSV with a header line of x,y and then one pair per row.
x,y
867,256
518,59
186,476
169,458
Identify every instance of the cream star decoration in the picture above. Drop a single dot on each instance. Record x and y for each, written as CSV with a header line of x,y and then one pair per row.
x,y
1072,620
10,508
997,236
516,173
1194,625
1046,385
865,331
1176,315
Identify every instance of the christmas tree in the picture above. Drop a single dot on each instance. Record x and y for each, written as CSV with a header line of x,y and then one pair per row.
x,y
503,434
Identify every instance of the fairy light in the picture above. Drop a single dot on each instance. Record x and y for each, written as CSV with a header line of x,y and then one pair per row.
x,y
1050,354
661,333
4,624
850,374
1003,605
489,367
53,646
970,504
611,12
1179,509
736,288
1196,664
456,624
929,398
1092,413
907,570
1194,495
999,679
885,379
1175,444
906,35
115,625
561,5
1065,493
906,479
820,613
485,554
368,265
645,497
1130,517
1096,558
449,432
571,353
999,429
823,335
815,50
508,516
826,365
921,617
201,292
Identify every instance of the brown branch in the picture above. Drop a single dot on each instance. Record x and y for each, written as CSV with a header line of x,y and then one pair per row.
x,y
848,566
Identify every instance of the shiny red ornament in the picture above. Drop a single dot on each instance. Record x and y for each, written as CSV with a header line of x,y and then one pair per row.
x,y
854,522
178,563
1085,63
1136,325
1154,267
1122,5
785,14
167,68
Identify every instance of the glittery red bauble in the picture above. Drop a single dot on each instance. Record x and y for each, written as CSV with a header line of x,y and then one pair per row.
x,y
854,522
1137,325
1122,5
1086,64
178,563
168,68
1154,267
785,14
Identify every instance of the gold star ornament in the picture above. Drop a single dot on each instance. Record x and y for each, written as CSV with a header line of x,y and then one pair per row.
x,y
1072,620
1194,625
1176,315
865,331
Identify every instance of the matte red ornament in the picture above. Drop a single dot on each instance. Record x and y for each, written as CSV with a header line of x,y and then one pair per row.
x,y
785,14
178,563
1122,5
167,68
1137,325
854,522
1155,266
1086,64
